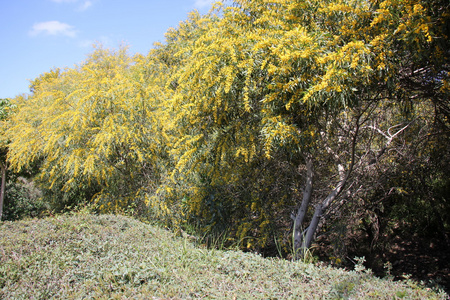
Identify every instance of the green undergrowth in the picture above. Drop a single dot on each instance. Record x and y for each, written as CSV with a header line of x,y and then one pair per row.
x,y
84,256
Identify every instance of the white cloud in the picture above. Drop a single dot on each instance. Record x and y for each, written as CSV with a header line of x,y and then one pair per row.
x,y
85,5
203,3
53,28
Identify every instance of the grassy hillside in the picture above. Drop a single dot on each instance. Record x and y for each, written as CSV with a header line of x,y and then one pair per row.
x,y
116,257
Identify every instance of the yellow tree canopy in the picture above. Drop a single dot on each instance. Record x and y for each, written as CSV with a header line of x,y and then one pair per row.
x,y
266,77
99,121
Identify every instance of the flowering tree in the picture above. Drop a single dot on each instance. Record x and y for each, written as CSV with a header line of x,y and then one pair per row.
x,y
93,126
323,86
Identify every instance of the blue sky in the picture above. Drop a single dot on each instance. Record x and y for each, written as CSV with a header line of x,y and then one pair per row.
x,y
38,35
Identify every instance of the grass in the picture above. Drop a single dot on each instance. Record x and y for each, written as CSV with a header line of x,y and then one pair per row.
x,y
83,256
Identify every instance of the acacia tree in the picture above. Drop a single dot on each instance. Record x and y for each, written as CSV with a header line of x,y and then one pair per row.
x,y
93,127
307,79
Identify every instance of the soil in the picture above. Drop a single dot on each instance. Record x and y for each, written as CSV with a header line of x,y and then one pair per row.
x,y
424,260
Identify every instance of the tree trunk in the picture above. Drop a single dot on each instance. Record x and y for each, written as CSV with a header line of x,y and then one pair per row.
x,y
2,191
301,213
320,209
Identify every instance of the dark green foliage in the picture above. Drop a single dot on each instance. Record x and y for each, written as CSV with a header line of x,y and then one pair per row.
x,y
63,200
23,200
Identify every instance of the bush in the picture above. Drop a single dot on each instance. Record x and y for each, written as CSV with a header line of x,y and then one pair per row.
x,y
22,200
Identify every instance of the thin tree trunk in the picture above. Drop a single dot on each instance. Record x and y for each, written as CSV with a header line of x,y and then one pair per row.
x,y
301,213
2,191
322,207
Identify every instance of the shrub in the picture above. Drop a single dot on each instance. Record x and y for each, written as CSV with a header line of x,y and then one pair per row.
x,y
117,257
